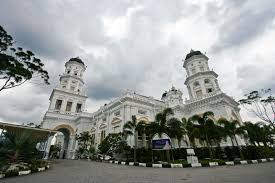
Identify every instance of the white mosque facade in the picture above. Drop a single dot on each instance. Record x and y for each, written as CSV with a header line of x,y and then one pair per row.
x,y
67,104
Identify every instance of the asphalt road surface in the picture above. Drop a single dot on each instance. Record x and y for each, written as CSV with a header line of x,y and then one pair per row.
x,y
78,171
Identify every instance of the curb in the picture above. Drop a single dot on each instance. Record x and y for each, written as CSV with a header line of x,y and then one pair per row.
x,y
26,172
196,165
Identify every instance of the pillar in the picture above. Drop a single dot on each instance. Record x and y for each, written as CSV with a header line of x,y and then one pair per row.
x,y
48,146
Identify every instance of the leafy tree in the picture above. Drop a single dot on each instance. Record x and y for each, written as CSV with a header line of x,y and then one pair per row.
x,y
231,129
262,104
114,143
191,131
159,126
84,141
54,150
17,146
176,129
17,65
206,130
131,128
259,132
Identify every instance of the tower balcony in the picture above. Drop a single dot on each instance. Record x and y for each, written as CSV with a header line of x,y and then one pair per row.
x,y
83,92
208,95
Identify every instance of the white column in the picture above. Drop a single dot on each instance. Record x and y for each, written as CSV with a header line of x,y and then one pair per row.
x,y
203,89
48,146
71,150
63,106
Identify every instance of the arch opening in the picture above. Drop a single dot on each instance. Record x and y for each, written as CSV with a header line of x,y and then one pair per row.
x,y
61,142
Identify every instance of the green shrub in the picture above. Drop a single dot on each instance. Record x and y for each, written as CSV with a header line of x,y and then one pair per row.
x,y
254,152
144,155
11,173
35,164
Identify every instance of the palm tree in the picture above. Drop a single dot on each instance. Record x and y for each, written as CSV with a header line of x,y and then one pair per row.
x,y
176,129
231,129
205,126
258,132
131,128
18,145
159,126
84,138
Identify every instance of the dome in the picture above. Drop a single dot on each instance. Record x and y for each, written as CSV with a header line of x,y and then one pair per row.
x,y
77,59
192,53
164,94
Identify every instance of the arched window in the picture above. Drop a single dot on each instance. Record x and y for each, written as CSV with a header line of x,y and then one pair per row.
x,y
209,90
206,81
196,84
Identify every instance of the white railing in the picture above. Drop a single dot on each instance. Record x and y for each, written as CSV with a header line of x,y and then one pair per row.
x,y
203,97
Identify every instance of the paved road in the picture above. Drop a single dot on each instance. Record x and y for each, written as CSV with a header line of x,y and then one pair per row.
x,y
74,171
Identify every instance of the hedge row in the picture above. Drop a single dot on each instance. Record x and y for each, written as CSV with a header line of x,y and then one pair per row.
x,y
224,153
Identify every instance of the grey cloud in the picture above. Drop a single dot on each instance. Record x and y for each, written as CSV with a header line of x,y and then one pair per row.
x,y
256,77
59,30
241,24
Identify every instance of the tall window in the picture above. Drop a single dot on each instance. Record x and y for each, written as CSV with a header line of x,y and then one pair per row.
x,y
58,104
117,113
69,106
140,111
199,93
206,81
93,139
193,70
139,135
78,107
209,90
102,135
116,129
196,84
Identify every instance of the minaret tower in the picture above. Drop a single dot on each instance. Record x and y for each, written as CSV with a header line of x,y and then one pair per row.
x,y
69,96
200,81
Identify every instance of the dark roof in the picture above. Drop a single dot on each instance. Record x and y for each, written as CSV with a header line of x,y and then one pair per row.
x,y
77,59
192,53
164,94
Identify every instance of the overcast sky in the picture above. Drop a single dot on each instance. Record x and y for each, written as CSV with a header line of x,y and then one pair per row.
x,y
139,45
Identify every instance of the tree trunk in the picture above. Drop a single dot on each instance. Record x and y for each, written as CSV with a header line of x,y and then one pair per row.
x,y
168,155
208,145
240,151
172,151
232,141
179,143
135,147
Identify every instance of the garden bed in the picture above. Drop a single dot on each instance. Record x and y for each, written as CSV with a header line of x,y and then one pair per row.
x,y
19,169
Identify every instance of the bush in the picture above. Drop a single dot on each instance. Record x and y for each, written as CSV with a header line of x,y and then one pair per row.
x,y
35,164
232,153
254,152
144,155
11,173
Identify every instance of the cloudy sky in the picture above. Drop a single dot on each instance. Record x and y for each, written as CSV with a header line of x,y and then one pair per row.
x,y
139,45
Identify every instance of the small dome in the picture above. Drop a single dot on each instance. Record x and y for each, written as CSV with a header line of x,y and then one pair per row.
x,y
164,94
192,53
173,88
77,59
